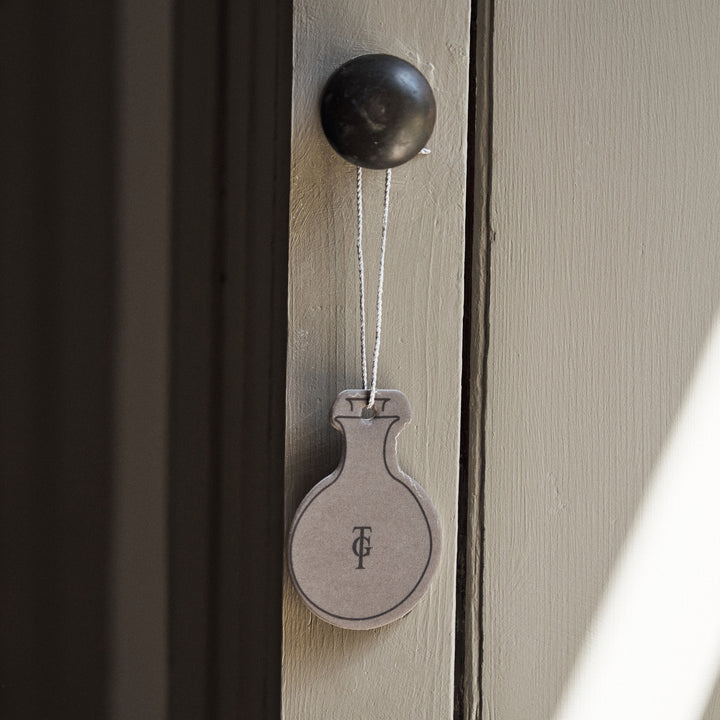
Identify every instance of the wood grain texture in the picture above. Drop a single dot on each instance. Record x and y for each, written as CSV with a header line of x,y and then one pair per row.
x,y
406,668
605,280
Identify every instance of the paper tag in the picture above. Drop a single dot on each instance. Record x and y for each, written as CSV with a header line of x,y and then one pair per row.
x,y
365,542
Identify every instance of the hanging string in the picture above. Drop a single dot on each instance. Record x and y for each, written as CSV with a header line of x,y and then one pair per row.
x,y
361,266
381,279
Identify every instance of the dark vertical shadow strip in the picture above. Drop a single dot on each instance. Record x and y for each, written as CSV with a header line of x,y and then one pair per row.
x,y
57,302
476,338
215,624
194,340
229,318
257,85
461,572
488,239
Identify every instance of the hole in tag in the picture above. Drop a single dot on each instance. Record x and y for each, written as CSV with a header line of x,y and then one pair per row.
x,y
368,413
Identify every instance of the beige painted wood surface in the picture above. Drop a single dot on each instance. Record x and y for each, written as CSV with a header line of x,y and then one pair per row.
x,y
604,286
404,670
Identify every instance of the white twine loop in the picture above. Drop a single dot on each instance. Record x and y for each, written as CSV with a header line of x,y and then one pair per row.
x,y
381,279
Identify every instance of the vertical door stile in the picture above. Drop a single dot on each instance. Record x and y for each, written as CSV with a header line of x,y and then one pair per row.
x,y
405,669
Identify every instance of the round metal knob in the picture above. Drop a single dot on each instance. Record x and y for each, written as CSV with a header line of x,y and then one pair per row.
x,y
378,111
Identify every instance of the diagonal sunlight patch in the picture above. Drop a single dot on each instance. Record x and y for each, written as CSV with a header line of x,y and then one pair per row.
x,y
654,647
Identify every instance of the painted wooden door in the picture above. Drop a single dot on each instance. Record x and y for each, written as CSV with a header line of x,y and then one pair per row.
x,y
591,279
601,487
405,669
180,309
552,287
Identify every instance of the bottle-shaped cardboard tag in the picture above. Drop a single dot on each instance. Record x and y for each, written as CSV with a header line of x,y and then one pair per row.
x,y
365,541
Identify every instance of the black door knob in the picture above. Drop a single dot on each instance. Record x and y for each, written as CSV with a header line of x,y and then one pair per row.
x,y
378,111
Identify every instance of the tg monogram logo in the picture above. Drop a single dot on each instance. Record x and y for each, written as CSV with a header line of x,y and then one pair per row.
x,y
361,544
